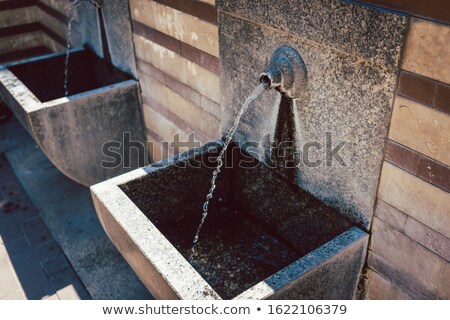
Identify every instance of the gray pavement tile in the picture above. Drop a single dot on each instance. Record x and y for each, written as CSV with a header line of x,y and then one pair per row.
x,y
9,283
68,286
55,264
34,256
9,230
36,231
35,283
14,248
18,295
122,285
3,252
67,210
96,261
13,136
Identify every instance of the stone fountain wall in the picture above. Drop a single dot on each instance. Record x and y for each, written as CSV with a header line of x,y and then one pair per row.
x,y
177,53
52,16
352,54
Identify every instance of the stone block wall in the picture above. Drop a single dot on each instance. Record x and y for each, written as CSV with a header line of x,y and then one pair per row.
x,y
21,33
177,51
52,15
409,253
34,27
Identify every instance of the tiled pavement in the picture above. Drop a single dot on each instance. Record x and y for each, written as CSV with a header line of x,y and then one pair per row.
x,y
51,243
32,264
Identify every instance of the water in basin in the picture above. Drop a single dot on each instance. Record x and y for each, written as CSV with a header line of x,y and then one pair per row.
x,y
258,223
86,71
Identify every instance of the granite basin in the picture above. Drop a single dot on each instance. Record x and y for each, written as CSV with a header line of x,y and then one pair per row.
x,y
264,238
103,104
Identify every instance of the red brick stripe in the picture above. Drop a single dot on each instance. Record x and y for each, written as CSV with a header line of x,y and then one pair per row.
x,y
415,87
442,98
402,157
199,9
424,90
31,27
155,135
180,123
20,29
23,54
52,12
15,4
175,85
189,52
52,34
418,165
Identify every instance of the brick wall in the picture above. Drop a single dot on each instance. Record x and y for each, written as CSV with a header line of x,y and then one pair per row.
x,y
53,18
20,35
30,28
176,43
409,252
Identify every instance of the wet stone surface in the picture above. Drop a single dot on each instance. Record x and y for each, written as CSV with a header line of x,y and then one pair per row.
x,y
245,239
352,56
234,251
27,248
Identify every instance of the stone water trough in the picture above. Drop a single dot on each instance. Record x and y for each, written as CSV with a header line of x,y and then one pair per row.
x,y
102,104
264,238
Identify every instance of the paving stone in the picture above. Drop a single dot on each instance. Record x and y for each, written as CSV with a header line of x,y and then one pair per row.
x,y
14,202
18,295
36,231
67,210
24,213
68,286
35,283
123,285
9,283
9,230
53,265
13,248
3,252
13,136
2,200
98,260
34,256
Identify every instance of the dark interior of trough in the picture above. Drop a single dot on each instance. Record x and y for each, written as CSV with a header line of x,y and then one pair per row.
x,y
45,78
257,223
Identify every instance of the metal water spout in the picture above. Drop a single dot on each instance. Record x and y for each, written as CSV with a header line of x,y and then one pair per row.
x,y
287,74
